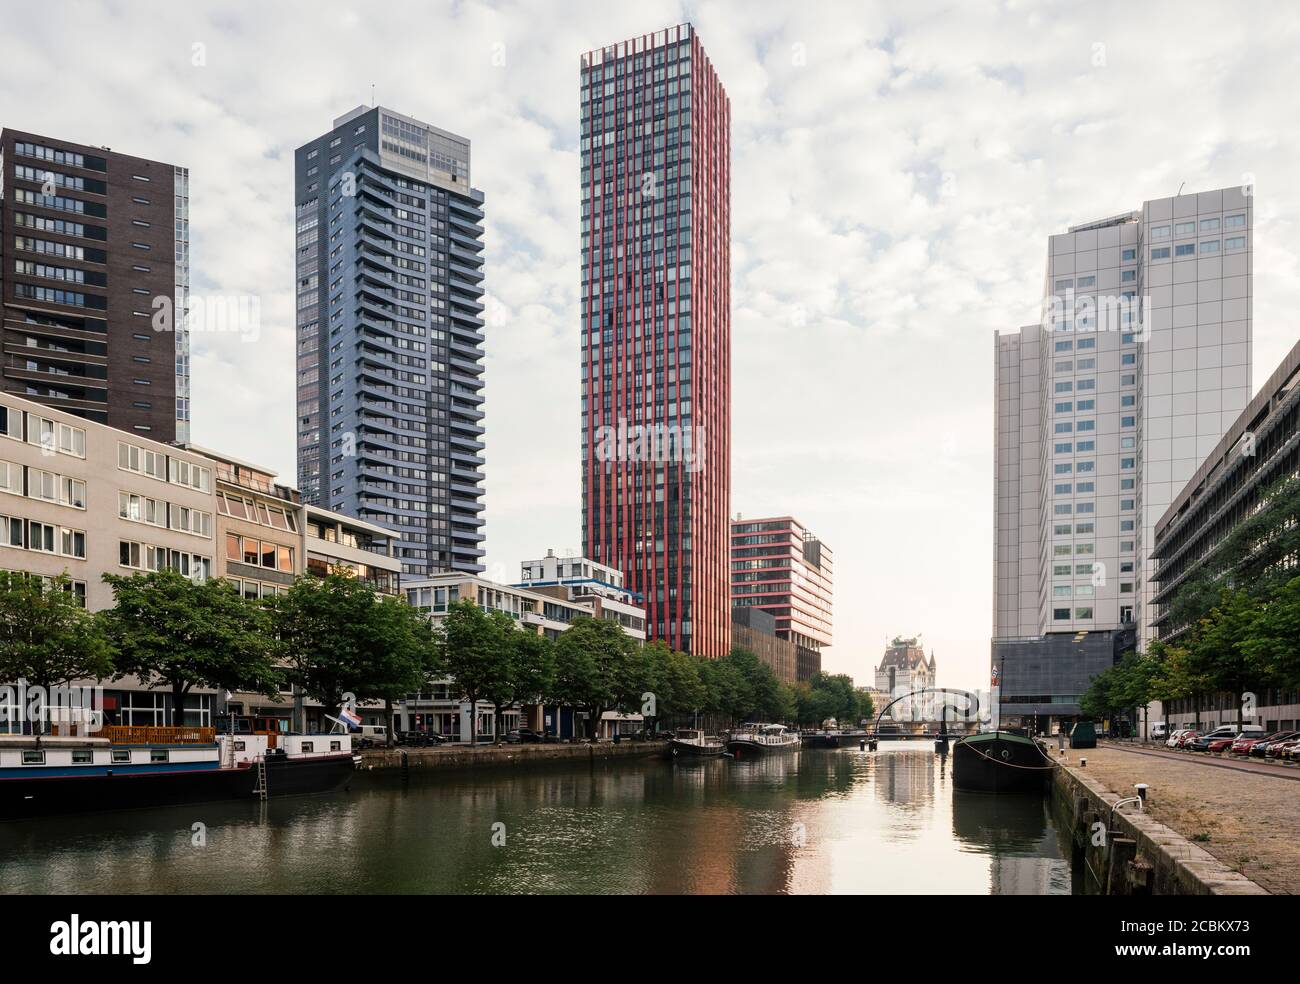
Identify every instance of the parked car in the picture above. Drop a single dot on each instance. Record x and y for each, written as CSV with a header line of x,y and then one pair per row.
x,y
523,736
1247,742
1187,736
1223,736
1159,731
1290,752
420,739
1260,749
1175,737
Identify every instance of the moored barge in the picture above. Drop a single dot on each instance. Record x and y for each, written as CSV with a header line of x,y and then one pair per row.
x,y
132,768
693,743
1000,761
751,740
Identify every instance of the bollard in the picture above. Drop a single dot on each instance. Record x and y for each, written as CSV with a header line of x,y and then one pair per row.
x,y
862,744
1083,762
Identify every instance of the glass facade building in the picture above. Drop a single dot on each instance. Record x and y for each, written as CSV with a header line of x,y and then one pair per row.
x,y
656,330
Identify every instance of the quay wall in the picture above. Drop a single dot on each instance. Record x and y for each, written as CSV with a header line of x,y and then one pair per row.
x,y
1127,852
502,757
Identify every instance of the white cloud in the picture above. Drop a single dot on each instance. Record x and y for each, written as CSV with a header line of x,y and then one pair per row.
x,y
896,171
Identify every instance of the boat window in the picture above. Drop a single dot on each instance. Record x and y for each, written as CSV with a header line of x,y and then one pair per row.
x,y
121,756
82,756
239,746
33,757
158,755
307,746
336,746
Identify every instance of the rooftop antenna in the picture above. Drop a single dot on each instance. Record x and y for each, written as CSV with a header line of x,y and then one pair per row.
x,y
1180,188
372,95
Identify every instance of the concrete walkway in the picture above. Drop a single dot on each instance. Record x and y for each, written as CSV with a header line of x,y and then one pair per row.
x,y
1237,763
1246,817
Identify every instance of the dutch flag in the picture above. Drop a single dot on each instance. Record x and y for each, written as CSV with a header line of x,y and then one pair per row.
x,y
350,717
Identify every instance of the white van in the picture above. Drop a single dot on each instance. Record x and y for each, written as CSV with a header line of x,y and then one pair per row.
x,y
1159,732
370,734
1232,731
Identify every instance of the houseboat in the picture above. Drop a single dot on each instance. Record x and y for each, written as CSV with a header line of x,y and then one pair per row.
x,y
131,767
693,743
999,761
751,740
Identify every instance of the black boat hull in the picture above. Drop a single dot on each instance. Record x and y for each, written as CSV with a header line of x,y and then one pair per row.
x,y
22,799
751,749
999,765
684,749
296,777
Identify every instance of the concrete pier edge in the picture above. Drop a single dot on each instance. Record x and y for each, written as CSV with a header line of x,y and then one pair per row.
x,y
504,756
1179,866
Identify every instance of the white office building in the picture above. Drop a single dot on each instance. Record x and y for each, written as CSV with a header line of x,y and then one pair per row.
x,y
1105,409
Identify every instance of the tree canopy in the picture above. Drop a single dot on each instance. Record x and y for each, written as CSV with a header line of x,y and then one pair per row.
x,y
178,634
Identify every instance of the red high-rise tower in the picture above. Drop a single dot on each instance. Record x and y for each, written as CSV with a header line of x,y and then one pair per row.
x,y
656,331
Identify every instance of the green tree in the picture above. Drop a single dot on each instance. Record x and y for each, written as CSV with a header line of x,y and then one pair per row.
x,y
598,669
866,706
726,692
338,637
403,658
760,694
533,658
524,670
1221,644
178,634
1164,684
680,684
476,650
1273,645
829,695
46,637
1098,700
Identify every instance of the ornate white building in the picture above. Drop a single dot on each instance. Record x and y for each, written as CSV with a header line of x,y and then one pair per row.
x,y
904,668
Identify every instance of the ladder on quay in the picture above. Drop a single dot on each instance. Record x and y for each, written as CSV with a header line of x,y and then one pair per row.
x,y
261,788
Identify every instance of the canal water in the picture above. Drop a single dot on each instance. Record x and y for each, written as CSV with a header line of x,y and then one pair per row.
x,y
810,822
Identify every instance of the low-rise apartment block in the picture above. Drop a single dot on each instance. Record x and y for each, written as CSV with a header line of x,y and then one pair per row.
x,y
83,499
548,609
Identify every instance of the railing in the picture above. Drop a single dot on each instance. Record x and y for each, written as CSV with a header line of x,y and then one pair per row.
x,y
122,735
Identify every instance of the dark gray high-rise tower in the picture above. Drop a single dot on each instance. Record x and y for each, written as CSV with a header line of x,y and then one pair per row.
x,y
389,287
92,244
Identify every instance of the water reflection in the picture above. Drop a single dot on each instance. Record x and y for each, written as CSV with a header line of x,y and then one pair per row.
x,y
1016,831
812,821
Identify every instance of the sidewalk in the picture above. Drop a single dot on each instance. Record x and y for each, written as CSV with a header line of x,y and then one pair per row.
x,y
1248,818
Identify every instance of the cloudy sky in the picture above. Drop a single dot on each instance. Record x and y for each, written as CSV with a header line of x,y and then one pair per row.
x,y
897,169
